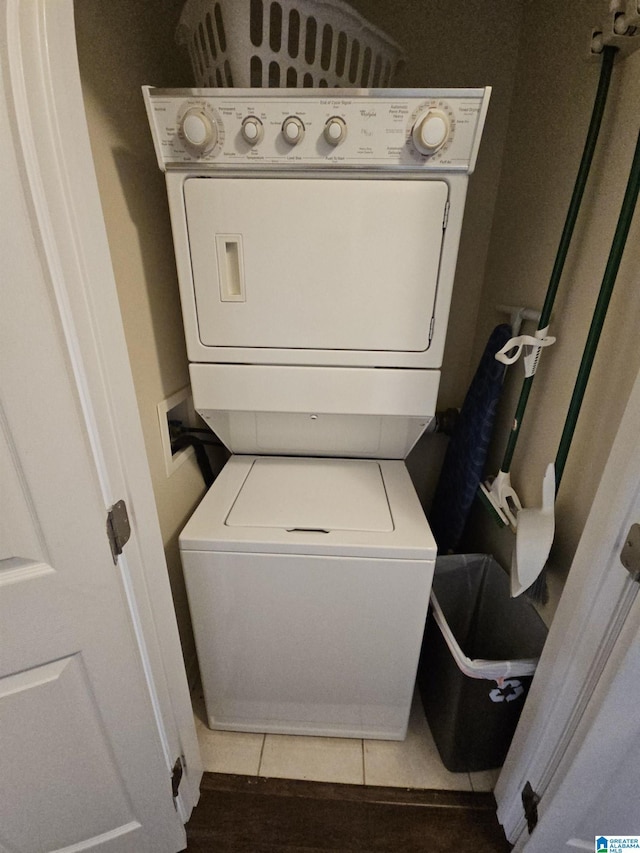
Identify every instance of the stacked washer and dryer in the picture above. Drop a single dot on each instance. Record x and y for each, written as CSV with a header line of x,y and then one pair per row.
x,y
316,235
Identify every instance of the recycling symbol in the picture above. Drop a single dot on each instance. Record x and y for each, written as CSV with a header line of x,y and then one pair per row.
x,y
510,690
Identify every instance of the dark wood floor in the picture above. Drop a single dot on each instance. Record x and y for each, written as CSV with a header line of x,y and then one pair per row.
x,y
243,813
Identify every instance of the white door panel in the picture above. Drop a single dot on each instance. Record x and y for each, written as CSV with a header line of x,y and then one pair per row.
x,y
576,744
19,531
60,733
82,764
595,792
280,263
73,709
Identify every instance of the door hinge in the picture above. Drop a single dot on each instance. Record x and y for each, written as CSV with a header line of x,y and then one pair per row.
x,y
118,528
445,218
176,776
630,554
530,802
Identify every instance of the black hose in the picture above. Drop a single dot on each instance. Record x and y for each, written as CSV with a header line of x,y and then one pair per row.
x,y
201,455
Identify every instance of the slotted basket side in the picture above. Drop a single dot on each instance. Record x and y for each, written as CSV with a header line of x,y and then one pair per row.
x,y
292,43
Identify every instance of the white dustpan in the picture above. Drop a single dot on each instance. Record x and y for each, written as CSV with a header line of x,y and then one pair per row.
x,y
534,537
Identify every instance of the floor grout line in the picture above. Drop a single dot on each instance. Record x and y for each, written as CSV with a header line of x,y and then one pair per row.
x,y
364,770
264,738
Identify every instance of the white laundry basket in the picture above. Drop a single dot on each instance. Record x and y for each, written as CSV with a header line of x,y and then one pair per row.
x,y
288,43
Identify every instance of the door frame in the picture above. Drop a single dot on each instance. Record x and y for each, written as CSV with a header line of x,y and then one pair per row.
x,y
44,97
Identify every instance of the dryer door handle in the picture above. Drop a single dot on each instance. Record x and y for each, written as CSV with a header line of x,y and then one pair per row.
x,y
230,267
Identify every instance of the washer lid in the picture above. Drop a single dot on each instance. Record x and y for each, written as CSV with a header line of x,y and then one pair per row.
x,y
294,505
313,494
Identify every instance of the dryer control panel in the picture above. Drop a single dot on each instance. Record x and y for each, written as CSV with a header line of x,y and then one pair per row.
x,y
412,130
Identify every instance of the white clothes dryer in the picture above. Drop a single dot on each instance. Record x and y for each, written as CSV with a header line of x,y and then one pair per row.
x,y
315,271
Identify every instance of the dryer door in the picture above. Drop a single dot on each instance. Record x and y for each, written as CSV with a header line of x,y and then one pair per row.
x,y
315,264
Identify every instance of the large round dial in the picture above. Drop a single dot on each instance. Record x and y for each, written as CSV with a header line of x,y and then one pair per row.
x,y
292,130
199,130
335,130
431,131
252,130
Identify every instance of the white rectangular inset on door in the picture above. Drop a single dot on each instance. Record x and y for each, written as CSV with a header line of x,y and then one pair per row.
x,y
230,267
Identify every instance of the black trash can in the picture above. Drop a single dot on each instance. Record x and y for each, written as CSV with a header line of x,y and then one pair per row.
x,y
479,654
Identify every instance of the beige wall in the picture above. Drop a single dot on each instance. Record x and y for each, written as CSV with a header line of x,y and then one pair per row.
x,y
472,44
447,44
552,103
122,45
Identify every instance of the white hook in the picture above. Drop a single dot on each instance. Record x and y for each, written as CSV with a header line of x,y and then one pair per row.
x,y
517,314
531,345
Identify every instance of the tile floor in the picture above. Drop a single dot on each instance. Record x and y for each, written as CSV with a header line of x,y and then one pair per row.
x,y
412,763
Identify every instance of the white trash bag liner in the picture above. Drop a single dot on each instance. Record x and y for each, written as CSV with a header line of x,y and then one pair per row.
x,y
473,609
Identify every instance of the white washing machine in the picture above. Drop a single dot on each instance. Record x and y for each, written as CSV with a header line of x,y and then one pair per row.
x,y
316,235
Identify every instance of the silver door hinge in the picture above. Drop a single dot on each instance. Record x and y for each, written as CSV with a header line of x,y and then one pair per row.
x,y
176,776
445,218
530,802
118,528
630,554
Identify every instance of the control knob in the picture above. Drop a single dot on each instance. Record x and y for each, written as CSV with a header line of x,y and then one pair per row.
x,y
292,130
431,131
199,130
252,130
335,130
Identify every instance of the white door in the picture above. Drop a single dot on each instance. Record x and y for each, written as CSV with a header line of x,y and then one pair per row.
x,y
577,741
81,760
598,792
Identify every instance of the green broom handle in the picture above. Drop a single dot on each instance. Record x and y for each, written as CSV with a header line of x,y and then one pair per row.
x,y
600,312
565,240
